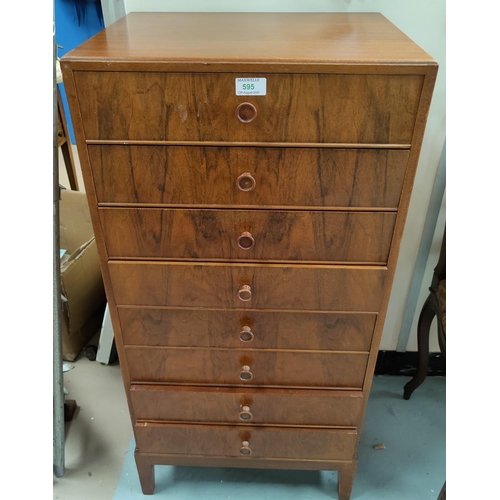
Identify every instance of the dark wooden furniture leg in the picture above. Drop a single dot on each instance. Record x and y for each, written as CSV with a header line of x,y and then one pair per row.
x,y
346,479
146,472
64,144
70,166
435,305
423,331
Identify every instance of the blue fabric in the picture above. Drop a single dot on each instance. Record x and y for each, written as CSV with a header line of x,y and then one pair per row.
x,y
76,21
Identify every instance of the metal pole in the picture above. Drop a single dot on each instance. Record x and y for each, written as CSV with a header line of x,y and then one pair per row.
x,y
58,397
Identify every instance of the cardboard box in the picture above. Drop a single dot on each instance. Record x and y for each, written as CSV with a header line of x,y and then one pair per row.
x,y
82,287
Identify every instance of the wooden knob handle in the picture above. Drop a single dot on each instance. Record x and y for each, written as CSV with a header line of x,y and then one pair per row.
x,y
246,334
245,448
246,241
245,414
246,182
246,112
245,293
245,373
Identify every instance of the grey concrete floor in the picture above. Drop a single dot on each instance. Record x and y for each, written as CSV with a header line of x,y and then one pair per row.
x,y
411,467
100,464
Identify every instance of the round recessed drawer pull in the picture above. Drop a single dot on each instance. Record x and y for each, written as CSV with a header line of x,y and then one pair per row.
x,y
246,112
245,448
246,182
245,373
245,293
246,241
246,334
245,414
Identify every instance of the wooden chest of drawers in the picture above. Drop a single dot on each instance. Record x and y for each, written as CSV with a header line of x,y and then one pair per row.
x,y
248,230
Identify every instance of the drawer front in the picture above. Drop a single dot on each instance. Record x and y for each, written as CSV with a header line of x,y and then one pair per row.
x,y
246,329
307,177
151,233
230,286
246,367
239,406
226,441
300,108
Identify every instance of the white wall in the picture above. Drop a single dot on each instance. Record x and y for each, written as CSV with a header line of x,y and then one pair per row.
x,y
426,283
424,21
112,10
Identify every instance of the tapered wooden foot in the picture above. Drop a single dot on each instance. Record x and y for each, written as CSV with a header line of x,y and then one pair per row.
x,y
346,479
146,472
423,331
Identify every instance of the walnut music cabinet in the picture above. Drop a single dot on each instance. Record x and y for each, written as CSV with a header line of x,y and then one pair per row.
x,y
248,177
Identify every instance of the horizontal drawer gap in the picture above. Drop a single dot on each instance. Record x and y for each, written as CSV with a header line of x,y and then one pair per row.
x,y
183,348
260,265
232,208
243,386
246,261
250,350
234,460
246,424
249,310
295,310
386,68
251,144
148,387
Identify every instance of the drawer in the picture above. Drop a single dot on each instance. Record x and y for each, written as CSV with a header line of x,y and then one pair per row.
x,y
266,286
245,367
303,177
239,406
227,441
254,235
248,329
297,108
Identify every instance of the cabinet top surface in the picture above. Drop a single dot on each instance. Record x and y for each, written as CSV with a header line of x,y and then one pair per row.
x,y
347,38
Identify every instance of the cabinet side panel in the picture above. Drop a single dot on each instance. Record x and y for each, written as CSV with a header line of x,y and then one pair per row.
x,y
73,101
423,111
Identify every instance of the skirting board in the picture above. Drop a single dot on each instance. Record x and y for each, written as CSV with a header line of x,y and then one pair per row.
x,y
405,363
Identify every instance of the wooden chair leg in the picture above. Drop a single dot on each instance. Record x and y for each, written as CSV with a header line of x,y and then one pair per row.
x,y
423,331
146,473
346,473
442,339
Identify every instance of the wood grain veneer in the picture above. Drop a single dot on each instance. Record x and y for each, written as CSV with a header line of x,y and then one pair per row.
x,y
261,356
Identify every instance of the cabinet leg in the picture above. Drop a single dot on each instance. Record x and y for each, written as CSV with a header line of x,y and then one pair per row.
x,y
146,472
423,331
346,479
